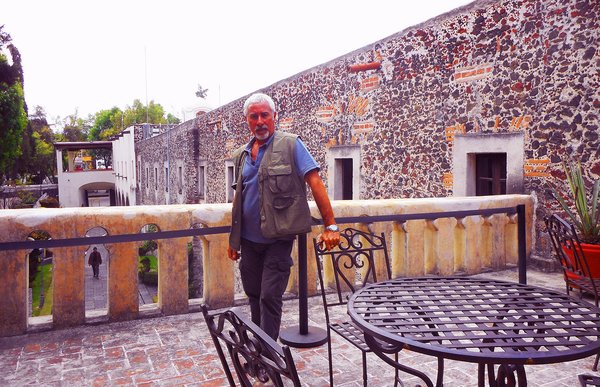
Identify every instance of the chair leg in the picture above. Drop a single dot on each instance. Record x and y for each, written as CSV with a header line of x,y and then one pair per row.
x,y
329,357
396,372
364,359
595,367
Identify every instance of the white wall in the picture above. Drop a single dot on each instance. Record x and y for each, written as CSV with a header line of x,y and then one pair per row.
x,y
124,166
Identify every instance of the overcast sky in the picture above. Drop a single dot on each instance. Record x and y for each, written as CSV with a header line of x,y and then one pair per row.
x,y
85,56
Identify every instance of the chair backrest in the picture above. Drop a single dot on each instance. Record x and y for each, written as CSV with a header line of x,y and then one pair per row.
x,y
568,251
361,258
256,357
566,246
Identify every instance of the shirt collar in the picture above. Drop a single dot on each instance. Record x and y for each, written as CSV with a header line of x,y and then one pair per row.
x,y
249,145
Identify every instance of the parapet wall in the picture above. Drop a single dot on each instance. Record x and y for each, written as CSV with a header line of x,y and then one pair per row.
x,y
445,246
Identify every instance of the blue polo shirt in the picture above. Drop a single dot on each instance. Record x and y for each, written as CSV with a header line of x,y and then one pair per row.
x,y
251,206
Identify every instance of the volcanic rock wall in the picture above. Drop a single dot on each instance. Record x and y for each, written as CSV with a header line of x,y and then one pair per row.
x,y
491,67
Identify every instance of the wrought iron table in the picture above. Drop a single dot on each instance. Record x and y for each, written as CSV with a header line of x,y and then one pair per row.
x,y
476,320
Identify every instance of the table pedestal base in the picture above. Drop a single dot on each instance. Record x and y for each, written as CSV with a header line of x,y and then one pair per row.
x,y
313,338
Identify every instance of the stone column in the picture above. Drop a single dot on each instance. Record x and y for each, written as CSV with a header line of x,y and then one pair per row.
x,y
123,296
416,247
218,272
445,245
68,298
398,249
173,276
13,287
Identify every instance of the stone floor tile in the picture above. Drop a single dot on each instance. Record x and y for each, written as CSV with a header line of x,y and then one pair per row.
x,y
178,350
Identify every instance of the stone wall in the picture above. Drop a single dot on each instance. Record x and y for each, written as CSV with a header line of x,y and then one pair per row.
x,y
172,149
492,67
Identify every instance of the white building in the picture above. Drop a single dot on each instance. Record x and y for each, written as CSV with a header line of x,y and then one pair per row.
x,y
80,184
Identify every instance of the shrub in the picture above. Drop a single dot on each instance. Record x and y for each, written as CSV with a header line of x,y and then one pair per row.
x,y
49,202
147,246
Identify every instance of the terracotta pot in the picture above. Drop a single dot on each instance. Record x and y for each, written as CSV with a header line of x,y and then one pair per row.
x,y
592,256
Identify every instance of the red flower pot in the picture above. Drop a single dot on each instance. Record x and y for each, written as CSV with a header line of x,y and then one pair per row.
x,y
592,256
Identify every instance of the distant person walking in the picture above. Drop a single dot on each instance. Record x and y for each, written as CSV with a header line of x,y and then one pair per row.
x,y
95,261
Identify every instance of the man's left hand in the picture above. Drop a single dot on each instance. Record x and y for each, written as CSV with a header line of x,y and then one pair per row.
x,y
329,238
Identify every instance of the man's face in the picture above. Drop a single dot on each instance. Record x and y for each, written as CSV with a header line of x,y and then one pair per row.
x,y
261,120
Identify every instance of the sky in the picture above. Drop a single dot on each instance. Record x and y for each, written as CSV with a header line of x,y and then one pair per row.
x,y
85,56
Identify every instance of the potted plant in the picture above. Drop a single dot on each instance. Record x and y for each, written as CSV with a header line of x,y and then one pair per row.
x,y
586,217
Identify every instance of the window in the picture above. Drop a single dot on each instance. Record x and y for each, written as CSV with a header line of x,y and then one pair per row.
x,y
202,182
344,178
345,166
166,179
180,179
488,163
229,180
490,174
147,176
155,178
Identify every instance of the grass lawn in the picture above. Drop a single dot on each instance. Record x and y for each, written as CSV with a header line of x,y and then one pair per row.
x,y
46,272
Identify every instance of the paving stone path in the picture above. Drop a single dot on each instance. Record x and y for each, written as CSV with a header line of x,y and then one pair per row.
x,y
177,350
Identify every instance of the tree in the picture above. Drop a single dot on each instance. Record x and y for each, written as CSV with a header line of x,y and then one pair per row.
x,y
43,162
171,119
137,113
24,165
75,129
13,110
106,122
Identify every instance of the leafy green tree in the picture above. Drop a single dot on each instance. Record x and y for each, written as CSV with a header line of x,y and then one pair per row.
x,y
43,161
24,166
171,119
75,129
105,124
138,114
13,110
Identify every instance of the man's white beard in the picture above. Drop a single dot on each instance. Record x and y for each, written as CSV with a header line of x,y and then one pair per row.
x,y
262,137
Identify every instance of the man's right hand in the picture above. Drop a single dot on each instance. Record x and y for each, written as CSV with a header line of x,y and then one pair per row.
x,y
232,254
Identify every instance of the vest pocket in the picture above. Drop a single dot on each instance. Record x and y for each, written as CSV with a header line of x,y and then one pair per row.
x,y
280,178
282,202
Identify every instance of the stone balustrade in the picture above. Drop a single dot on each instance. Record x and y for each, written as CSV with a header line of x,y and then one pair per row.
x,y
444,246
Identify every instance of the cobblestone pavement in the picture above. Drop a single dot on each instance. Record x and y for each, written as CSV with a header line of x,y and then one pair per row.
x,y
177,350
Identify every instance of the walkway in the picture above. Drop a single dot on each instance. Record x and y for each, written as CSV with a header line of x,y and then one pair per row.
x,y
177,350
96,289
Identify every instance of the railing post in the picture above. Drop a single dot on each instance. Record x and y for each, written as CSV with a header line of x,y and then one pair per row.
x,y
303,336
522,240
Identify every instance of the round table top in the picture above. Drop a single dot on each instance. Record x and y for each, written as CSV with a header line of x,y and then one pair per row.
x,y
478,320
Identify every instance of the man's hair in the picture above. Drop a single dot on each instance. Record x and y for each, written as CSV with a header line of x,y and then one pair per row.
x,y
257,98
95,248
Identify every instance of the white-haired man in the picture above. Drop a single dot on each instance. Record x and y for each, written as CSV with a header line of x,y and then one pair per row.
x,y
270,208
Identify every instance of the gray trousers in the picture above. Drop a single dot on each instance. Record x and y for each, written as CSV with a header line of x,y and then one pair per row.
x,y
265,270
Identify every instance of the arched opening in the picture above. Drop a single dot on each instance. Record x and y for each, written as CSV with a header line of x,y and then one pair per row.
x,y
40,284
148,256
97,194
96,272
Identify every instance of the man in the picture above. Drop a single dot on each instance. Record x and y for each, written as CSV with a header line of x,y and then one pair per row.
x,y
270,208
95,260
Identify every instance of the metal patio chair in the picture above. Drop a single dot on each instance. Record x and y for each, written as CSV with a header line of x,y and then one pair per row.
x,y
361,258
256,357
588,380
569,254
